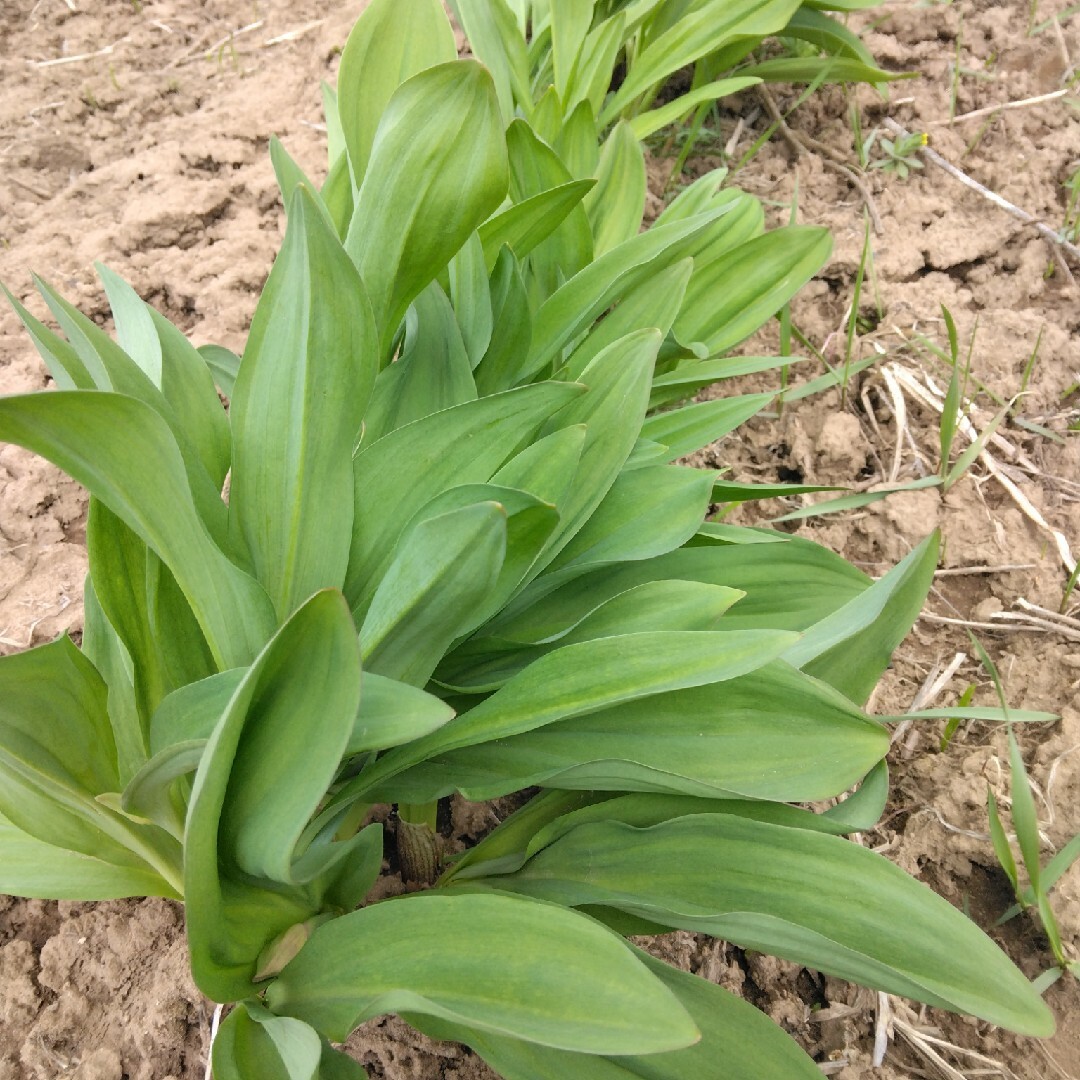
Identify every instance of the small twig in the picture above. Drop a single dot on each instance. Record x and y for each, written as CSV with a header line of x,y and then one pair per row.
x,y
882,1024
991,109
899,407
1043,229
215,1022
30,188
733,142
292,35
208,50
1046,613
1033,622
929,616
1005,568
57,61
1029,511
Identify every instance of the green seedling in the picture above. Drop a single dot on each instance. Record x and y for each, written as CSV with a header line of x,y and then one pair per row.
x,y
901,153
457,559
1034,895
1071,228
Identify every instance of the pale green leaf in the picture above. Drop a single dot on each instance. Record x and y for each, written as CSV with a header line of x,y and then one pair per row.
x,y
815,899
615,206
444,569
491,962
391,41
141,478
308,369
426,189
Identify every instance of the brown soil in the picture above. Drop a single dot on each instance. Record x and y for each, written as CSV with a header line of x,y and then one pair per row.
x,y
145,147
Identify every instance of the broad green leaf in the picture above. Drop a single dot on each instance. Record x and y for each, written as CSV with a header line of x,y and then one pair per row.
x,y
484,664
403,471
536,169
646,512
770,734
691,427
152,794
471,297
747,1043
185,654
588,294
654,302
445,568
191,712
833,36
33,868
289,174
253,1042
525,224
851,647
591,77
530,521
223,365
118,573
275,782
498,42
64,364
337,196
57,757
612,411
142,480
116,371
546,467
577,142
615,206
826,69
547,119
135,330
335,134
645,124
426,189
692,36
188,385
308,369
689,376
761,570
391,41
433,372
730,298
103,648
392,713
491,962
581,679
512,330
260,779
570,20
815,899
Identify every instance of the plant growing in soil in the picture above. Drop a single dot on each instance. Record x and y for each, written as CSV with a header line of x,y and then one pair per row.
x,y
456,557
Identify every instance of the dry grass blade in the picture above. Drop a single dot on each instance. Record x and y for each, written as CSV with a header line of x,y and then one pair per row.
x,y
928,1046
1023,103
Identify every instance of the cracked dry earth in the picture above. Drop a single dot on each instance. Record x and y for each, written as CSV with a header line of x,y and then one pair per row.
x,y
136,134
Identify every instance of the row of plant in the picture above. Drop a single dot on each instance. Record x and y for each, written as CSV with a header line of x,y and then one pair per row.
x,y
456,556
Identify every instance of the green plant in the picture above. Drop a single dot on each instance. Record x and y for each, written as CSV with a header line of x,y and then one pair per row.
x,y
1034,895
455,557
1071,227
556,62
901,154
